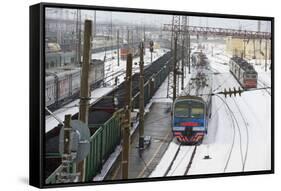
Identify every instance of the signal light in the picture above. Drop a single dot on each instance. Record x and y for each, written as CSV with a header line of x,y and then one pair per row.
x,y
151,44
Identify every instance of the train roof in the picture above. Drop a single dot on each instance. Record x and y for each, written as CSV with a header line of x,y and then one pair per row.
x,y
189,97
204,91
244,64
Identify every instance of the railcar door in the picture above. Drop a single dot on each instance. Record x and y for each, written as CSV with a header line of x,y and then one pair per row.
x,y
75,82
63,87
50,91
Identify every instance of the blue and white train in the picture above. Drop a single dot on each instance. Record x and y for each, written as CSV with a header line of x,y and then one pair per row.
x,y
191,110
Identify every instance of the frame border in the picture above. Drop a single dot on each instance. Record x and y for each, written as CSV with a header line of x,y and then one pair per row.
x,y
37,103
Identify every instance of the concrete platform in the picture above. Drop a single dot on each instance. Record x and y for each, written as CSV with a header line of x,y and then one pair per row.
x,y
157,125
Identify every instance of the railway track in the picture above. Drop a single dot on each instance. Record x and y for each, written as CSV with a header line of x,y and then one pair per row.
x,y
236,130
105,107
181,154
190,161
235,123
172,162
247,133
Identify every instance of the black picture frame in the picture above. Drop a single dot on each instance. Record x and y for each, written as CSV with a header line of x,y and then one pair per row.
x,y
37,97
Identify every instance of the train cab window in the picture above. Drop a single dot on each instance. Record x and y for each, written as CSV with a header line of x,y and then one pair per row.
x,y
252,76
189,109
181,109
197,112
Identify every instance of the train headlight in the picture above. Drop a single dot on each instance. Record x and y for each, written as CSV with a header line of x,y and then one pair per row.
x,y
200,128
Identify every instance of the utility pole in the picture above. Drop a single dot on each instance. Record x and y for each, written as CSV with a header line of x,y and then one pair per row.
x,y
151,56
78,31
254,46
182,64
151,44
141,100
175,69
111,34
244,48
132,41
85,86
260,40
95,24
66,157
127,120
128,38
118,48
66,137
144,40
188,57
265,55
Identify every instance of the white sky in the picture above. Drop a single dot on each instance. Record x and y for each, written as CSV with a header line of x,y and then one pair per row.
x,y
155,19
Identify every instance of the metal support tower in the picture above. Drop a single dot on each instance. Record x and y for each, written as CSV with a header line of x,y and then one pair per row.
x,y
184,52
223,32
172,89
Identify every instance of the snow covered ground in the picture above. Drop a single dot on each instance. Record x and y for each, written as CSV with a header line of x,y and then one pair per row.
x,y
239,131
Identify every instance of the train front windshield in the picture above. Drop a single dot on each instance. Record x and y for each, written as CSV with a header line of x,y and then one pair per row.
x,y
189,109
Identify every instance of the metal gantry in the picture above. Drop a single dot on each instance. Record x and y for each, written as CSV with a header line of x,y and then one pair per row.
x,y
214,31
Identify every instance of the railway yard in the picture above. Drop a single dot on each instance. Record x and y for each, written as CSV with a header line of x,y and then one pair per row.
x,y
235,130
194,105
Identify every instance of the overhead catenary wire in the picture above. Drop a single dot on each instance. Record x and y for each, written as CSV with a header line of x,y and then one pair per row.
x,y
56,117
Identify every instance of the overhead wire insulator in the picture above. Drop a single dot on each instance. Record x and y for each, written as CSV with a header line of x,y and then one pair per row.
x,y
240,91
225,93
234,91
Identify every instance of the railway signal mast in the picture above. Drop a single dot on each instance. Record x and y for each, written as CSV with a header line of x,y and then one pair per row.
x,y
151,44
118,49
